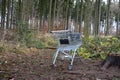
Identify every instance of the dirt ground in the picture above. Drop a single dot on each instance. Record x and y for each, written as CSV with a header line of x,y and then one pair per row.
x,y
36,65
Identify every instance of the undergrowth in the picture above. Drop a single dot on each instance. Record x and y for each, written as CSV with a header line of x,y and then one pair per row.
x,y
99,48
92,48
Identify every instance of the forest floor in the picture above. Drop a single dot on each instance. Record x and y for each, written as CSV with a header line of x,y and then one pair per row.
x,y
35,64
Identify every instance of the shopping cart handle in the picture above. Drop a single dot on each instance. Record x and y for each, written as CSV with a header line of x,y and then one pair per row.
x,y
60,31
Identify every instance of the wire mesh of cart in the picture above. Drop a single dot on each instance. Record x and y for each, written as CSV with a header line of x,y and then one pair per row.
x,y
68,43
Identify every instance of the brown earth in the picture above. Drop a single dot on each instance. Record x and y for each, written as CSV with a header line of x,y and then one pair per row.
x,y
36,65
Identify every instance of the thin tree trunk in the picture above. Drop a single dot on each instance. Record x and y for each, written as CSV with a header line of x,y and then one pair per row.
x,y
57,18
59,8
11,21
8,14
97,18
108,17
118,21
54,13
77,11
81,15
92,19
87,20
99,14
49,19
44,14
3,22
3,13
66,15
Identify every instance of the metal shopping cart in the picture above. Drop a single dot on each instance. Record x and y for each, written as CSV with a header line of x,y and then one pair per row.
x,y
68,43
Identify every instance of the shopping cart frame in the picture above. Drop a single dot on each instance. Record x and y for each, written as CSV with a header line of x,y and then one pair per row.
x,y
67,42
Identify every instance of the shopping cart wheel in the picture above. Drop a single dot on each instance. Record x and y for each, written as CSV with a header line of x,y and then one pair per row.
x,y
53,65
63,58
70,58
70,67
79,60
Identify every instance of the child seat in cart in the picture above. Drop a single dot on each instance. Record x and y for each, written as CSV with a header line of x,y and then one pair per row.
x,y
68,43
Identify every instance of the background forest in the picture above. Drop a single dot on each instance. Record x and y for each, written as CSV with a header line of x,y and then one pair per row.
x,y
29,23
23,20
90,17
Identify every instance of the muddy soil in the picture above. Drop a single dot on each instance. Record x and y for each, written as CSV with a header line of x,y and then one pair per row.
x,y
36,65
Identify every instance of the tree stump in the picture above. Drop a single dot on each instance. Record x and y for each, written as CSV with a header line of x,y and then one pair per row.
x,y
111,60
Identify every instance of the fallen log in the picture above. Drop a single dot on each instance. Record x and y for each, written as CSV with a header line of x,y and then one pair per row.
x,y
111,60
50,48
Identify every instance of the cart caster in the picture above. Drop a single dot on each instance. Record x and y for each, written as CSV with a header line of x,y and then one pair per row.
x,y
79,60
70,58
63,58
53,65
70,67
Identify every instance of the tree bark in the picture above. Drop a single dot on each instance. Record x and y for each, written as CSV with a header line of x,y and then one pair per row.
x,y
118,20
8,14
108,17
81,15
97,18
49,19
87,19
3,13
77,11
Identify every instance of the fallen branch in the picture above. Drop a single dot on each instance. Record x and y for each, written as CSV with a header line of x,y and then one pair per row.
x,y
72,72
49,47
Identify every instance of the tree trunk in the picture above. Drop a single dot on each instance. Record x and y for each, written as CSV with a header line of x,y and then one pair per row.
x,y
54,13
3,13
8,14
49,19
77,11
87,19
81,15
3,19
66,15
108,17
97,18
118,21
59,11
11,17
